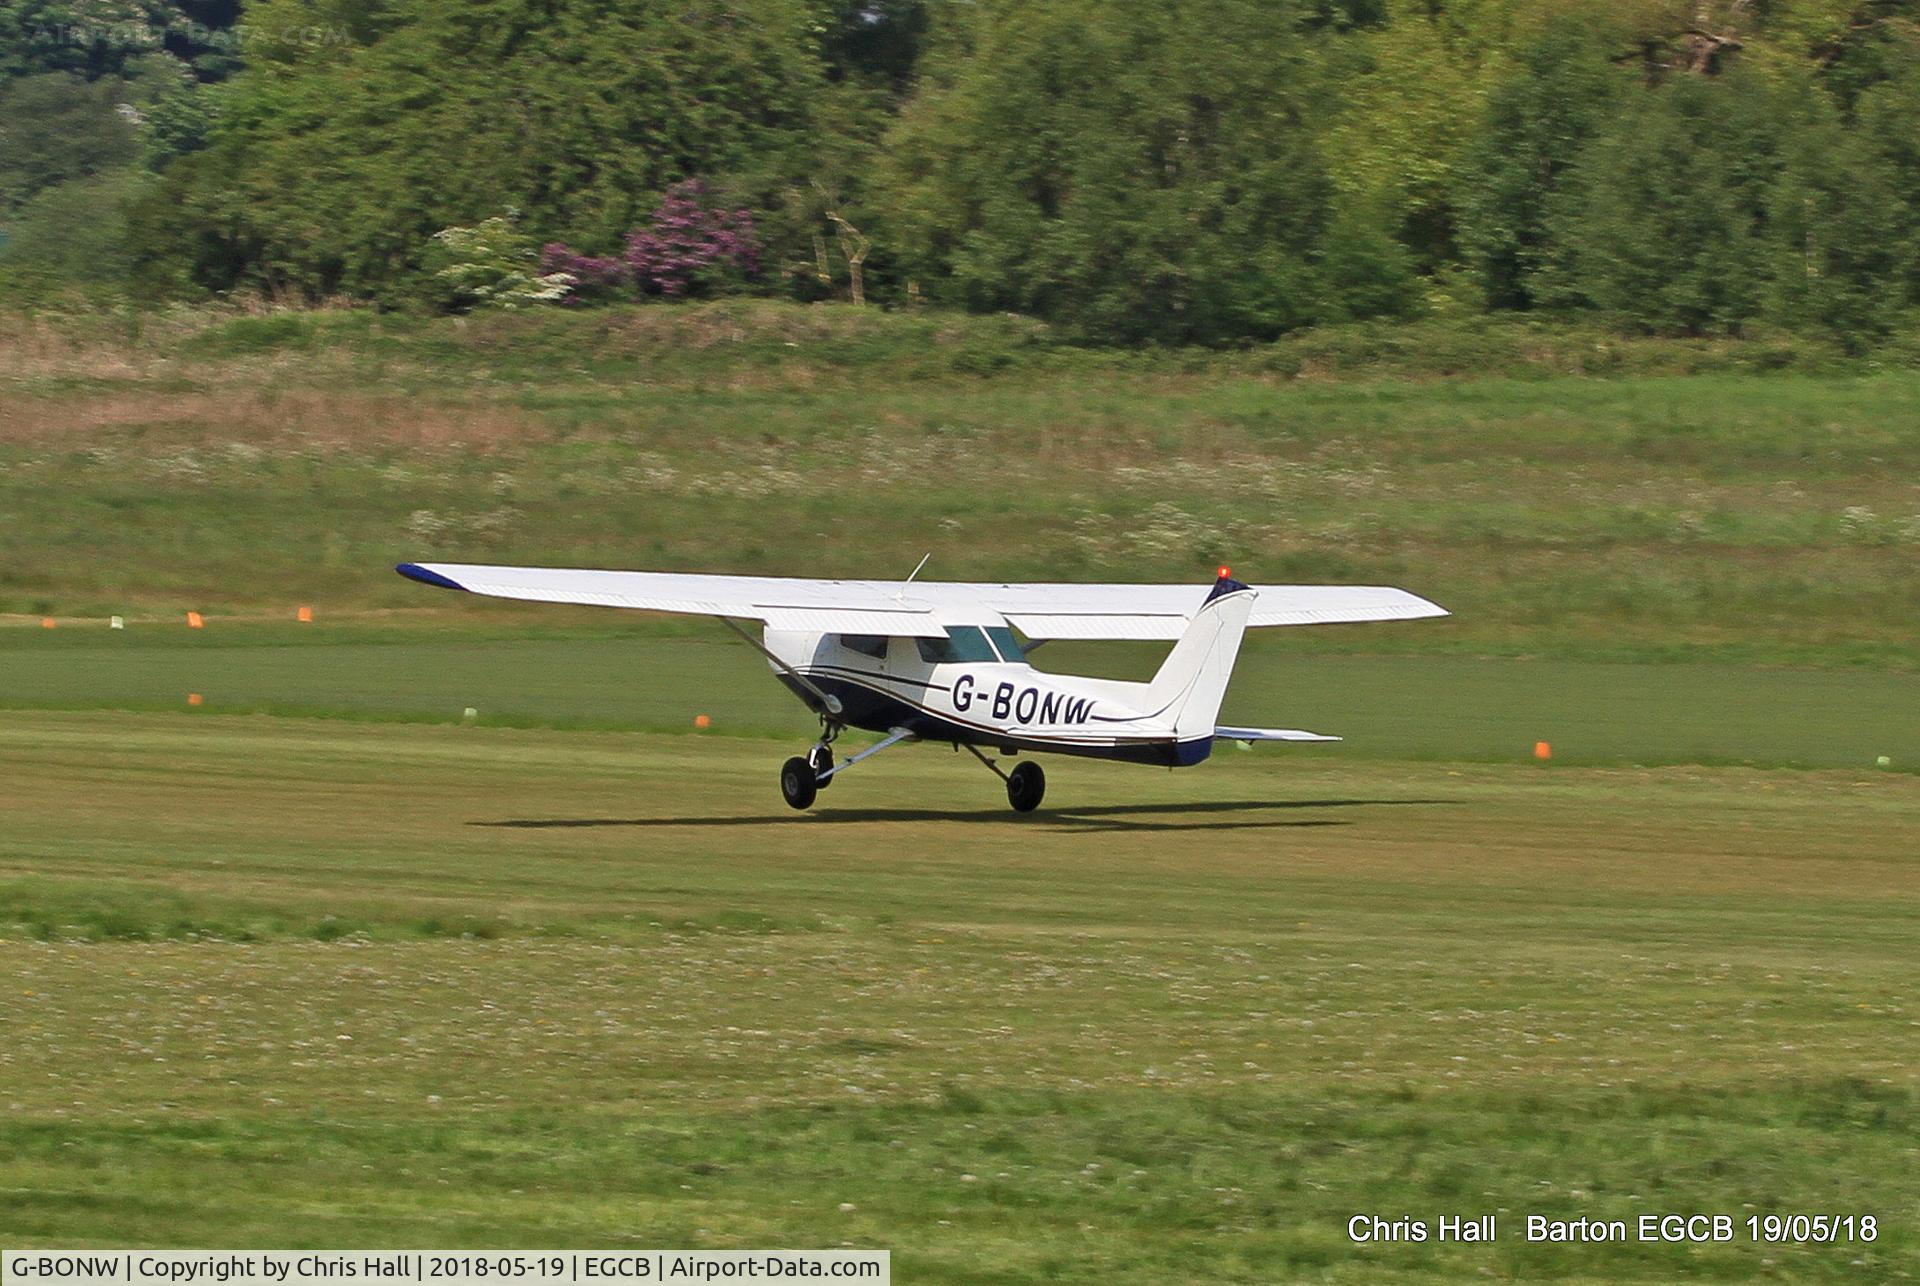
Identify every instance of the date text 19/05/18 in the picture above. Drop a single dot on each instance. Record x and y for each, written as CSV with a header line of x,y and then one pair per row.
x,y
1774,1229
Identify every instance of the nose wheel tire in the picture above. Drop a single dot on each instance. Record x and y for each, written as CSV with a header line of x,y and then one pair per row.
x,y
821,759
1026,787
798,783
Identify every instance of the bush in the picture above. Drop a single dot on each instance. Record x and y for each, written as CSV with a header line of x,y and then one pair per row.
x,y
490,265
56,128
1536,123
1837,238
688,248
1136,173
73,237
1660,224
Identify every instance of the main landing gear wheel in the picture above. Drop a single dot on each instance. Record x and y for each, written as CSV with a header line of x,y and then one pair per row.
x,y
821,759
798,783
1026,786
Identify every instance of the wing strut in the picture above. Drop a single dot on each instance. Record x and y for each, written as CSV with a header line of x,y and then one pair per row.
x,y
898,734
828,702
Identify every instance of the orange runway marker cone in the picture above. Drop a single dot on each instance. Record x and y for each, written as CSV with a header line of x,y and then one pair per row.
x,y
47,622
304,616
194,699
1542,751
702,721
195,621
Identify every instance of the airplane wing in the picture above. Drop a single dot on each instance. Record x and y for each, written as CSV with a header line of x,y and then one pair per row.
x,y
1270,734
1162,611
829,606
923,609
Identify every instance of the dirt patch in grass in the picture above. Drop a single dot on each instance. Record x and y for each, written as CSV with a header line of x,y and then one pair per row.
x,y
264,417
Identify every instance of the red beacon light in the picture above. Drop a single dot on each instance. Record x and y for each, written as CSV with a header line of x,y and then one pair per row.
x,y
1224,571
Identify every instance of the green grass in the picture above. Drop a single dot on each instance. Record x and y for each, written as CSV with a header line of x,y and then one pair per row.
x,y
269,461
282,982
582,670
558,978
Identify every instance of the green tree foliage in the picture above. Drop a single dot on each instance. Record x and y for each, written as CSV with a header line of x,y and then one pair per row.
x,y
1403,111
72,237
1136,172
57,127
1888,120
1838,240
98,38
1220,171
1661,226
343,149
874,40
1559,92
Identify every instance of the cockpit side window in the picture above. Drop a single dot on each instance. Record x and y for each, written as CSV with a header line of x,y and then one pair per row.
x,y
963,643
873,645
1009,646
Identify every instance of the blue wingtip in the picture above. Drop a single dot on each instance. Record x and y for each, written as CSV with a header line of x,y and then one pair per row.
x,y
1225,585
414,571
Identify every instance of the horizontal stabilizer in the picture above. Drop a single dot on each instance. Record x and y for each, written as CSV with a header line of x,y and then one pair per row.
x,y
1271,734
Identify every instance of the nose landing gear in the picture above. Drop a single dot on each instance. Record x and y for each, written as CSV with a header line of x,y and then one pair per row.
x,y
820,759
803,778
798,783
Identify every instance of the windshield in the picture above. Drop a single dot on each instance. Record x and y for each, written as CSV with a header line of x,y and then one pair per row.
x,y
963,643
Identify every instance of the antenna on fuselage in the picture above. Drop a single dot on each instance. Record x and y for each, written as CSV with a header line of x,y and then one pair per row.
x,y
902,595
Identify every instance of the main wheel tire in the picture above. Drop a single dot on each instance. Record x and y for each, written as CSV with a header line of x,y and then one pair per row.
x,y
821,758
1026,787
798,785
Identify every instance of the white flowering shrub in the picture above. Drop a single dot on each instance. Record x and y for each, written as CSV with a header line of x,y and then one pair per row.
x,y
491,265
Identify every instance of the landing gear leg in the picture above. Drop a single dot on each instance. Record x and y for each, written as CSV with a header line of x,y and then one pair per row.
x,y
1026,784
821,756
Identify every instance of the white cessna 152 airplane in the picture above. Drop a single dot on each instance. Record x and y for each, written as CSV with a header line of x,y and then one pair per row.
x,y
939,661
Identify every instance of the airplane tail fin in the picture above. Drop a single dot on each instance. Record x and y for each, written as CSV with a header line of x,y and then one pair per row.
x,y
1193,679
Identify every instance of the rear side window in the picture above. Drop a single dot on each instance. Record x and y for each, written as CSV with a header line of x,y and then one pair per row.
x,y
873,645
1009,646
963,643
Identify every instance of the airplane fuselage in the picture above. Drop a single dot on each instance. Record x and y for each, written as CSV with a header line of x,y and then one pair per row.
x,y
988,700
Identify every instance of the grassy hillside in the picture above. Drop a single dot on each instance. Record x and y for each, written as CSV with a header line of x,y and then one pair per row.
x,y
1565,493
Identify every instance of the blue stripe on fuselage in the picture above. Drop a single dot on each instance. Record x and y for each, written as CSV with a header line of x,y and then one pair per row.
x,y
865,706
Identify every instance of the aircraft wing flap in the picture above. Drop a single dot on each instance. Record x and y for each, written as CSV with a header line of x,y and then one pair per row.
x,y
1089,625
1162,611
846,620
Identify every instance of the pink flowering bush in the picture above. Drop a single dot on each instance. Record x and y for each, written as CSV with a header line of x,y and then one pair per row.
x,y
687,248
593,277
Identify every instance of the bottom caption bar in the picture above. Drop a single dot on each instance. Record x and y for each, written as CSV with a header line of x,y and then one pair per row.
x,y
436,1267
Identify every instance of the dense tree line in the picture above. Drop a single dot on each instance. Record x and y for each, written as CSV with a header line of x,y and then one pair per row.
x,y
1212,171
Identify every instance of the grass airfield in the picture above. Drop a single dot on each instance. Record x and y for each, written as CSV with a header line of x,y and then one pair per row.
x,y
315,964
291,981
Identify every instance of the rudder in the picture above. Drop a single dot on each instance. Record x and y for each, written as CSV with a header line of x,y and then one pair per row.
x,y
1192,681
